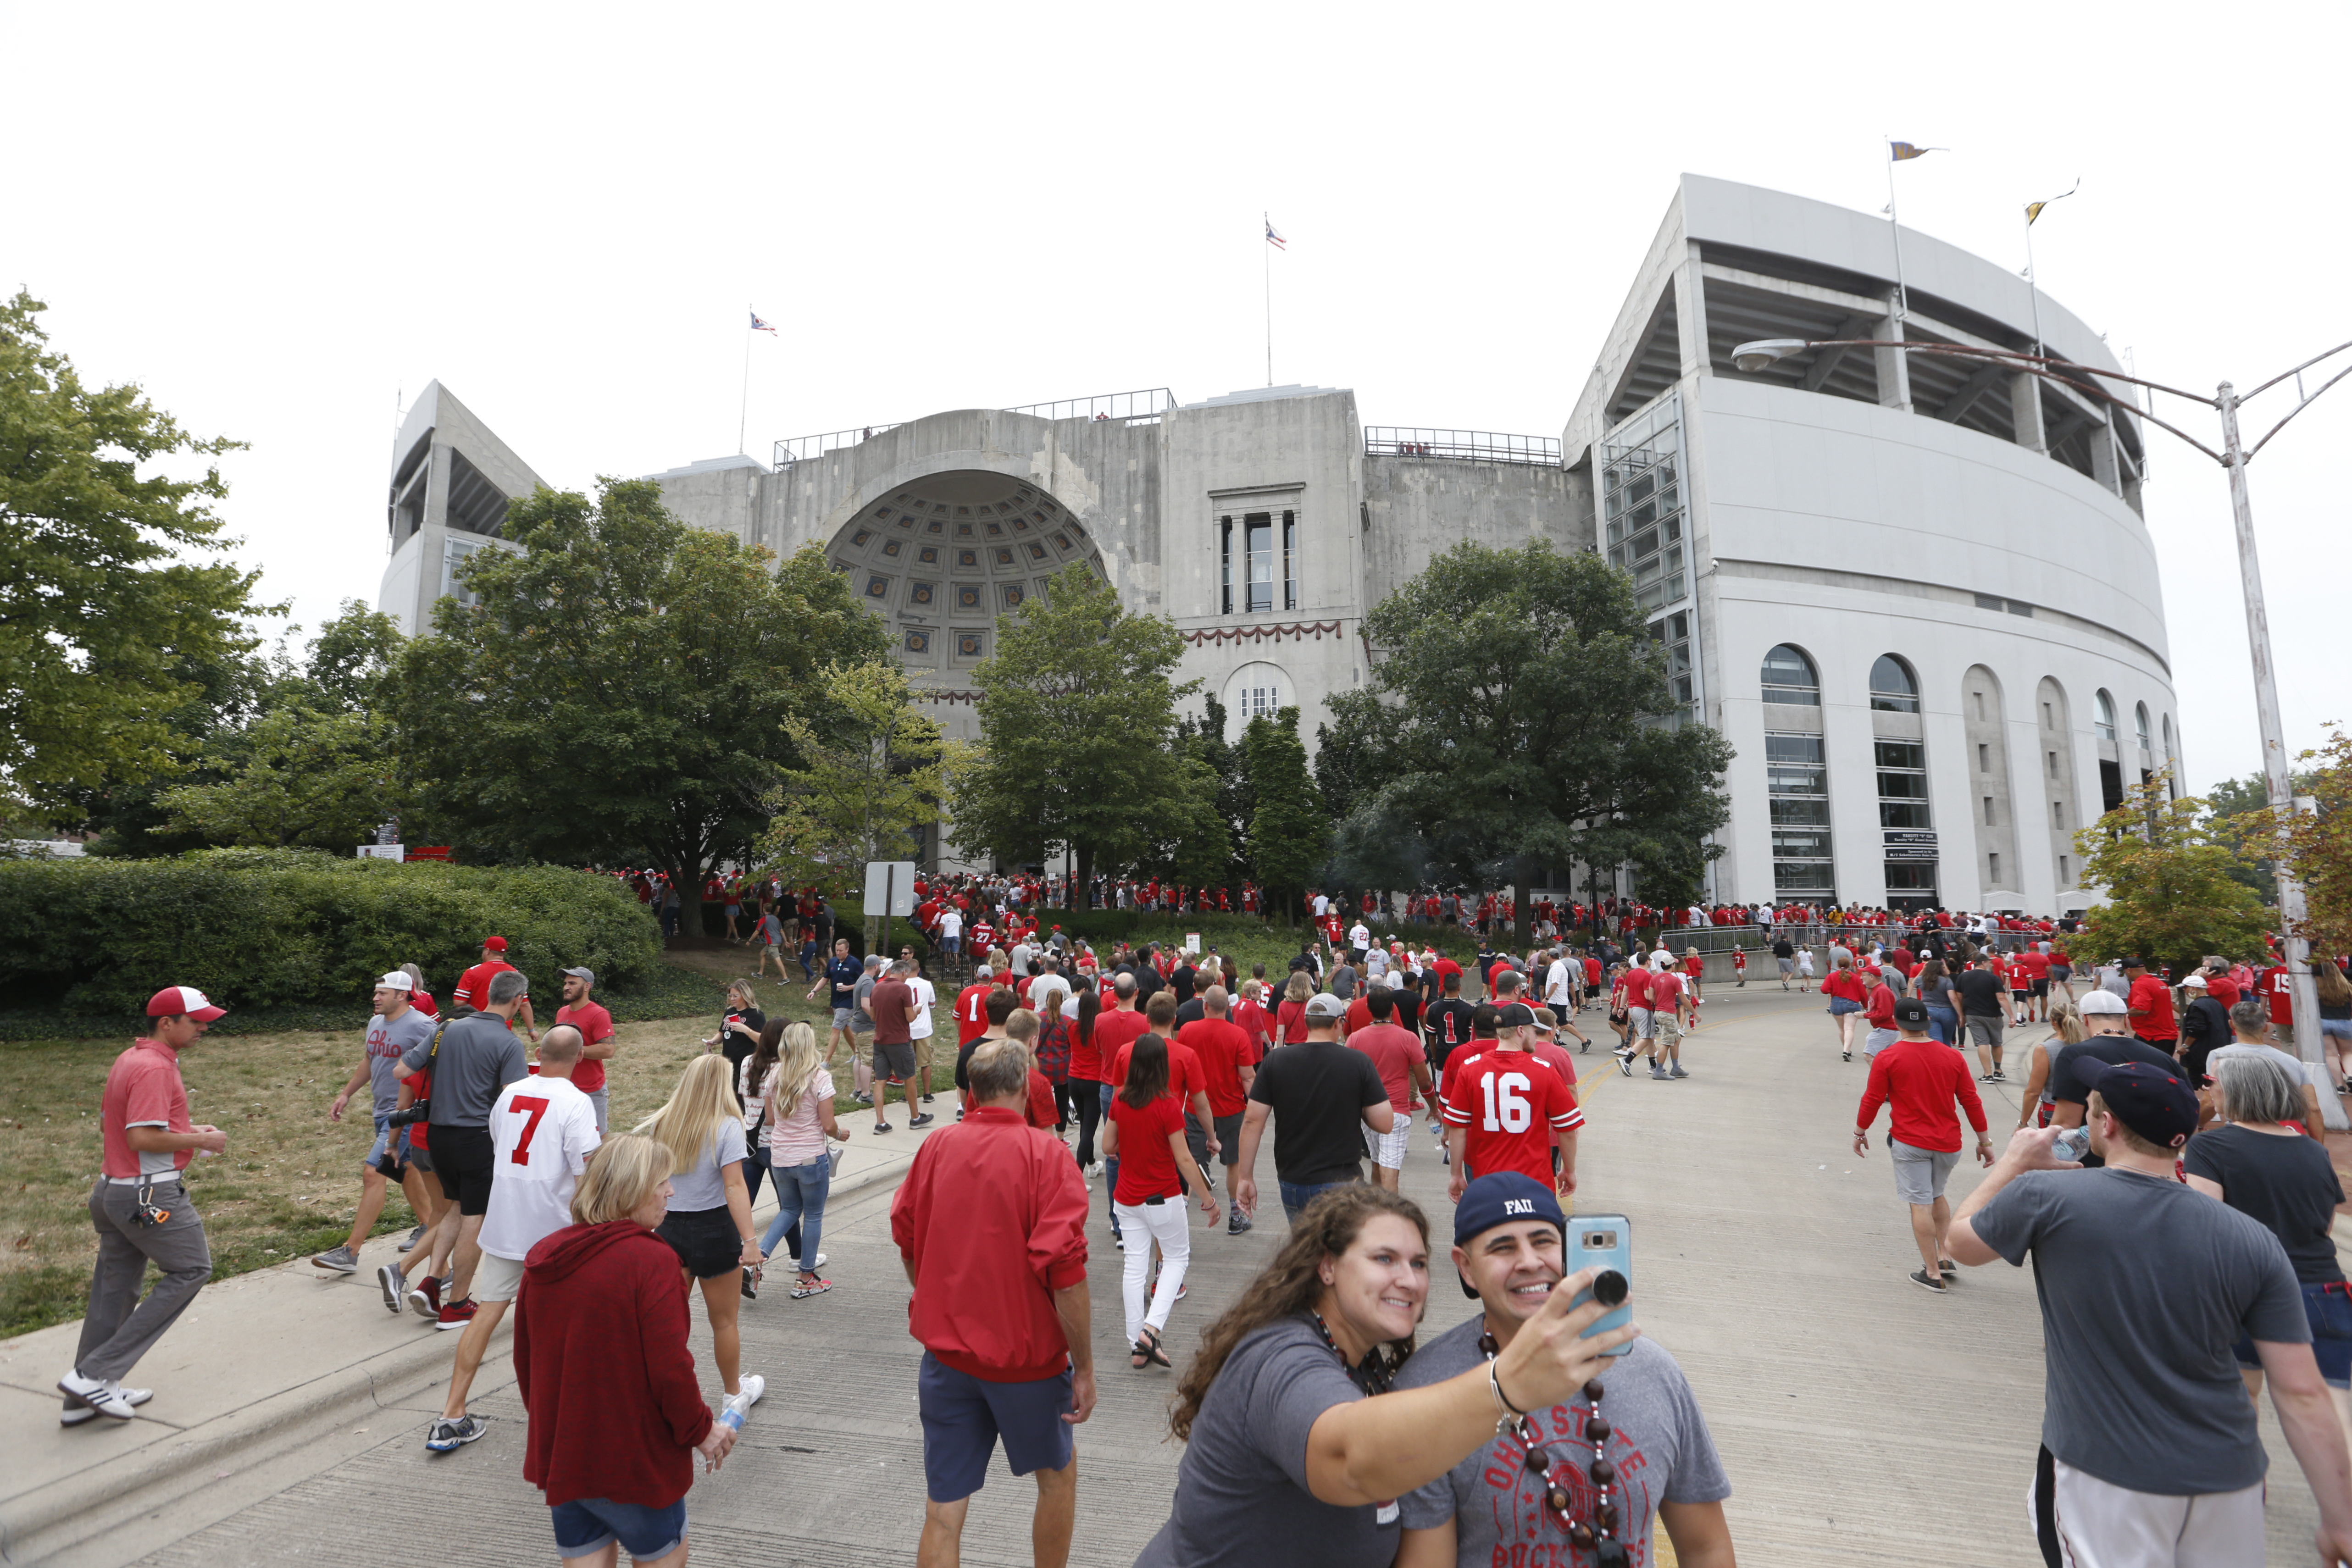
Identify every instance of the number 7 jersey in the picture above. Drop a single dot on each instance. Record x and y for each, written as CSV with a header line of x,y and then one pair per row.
x,y
541,1131
1509,1102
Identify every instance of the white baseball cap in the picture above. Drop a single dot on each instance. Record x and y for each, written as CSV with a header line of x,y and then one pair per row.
x,y
2103,1001
397,980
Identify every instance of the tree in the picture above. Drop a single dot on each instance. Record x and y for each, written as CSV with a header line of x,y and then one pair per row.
x,y
2319,847
105,626
1289,830
1519,716
2165,871
619,693
861,792
1077,716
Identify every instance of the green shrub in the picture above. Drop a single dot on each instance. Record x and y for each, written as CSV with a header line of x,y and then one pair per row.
x,y
294,928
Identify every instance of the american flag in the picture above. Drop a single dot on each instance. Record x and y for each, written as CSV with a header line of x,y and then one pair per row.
x,y
1275,239
760,326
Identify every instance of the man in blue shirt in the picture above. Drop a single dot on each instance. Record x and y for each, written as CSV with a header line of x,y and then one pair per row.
x,y
841,973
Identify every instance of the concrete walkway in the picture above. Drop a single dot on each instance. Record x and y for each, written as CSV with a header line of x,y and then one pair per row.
x,y
1862,1421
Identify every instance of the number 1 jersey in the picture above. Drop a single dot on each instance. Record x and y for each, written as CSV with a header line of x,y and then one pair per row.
x,y
1509,1102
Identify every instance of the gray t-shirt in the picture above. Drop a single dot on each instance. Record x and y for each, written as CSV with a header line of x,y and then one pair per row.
x,y
2145,1285
1241,1487
705,1187
1343,982
1658,1441
479,1056
860,1020
387,1041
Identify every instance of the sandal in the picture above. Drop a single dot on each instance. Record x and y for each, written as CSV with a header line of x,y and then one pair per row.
x,y
802,1293
1149,1347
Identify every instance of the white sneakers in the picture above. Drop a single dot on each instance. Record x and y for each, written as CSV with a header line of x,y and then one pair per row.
x,y
90,1396
754,1385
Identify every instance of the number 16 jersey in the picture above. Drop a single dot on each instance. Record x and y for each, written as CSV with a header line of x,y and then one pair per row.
x,y
542,1132
1510,1102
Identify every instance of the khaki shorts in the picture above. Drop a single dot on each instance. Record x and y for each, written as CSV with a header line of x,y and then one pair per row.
x,y
923,1051
496,1279
1665,1027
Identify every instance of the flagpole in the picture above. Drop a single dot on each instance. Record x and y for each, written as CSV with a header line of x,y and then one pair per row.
x,y
2033,284
743,409
1894,224
1265,249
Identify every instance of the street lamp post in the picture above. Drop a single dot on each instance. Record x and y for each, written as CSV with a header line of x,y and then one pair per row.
x,y
2233,456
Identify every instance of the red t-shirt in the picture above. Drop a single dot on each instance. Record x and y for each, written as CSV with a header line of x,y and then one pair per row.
x,y
971,1012
2035,966
1845,983
1043,1111
1114,1032
1256,1024
143,1089
474,985
1445,966
1393,1051
1880,1009
1359,1016
1511,1101
2157,1022
1290,1020
1637,986
1223,1048
1147,1165
594,1024
1185,1075
2275,986
1664,987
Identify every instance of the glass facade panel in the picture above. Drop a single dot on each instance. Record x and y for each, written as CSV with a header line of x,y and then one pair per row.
x,y
1788,677
1892,689
1902,767
1672,632
1641,503
1796,778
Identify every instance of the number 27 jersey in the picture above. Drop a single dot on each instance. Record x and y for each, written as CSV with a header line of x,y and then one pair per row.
x,y
1509,1102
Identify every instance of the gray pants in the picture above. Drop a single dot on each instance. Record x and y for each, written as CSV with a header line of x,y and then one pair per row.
x,y
113,1334
602,1099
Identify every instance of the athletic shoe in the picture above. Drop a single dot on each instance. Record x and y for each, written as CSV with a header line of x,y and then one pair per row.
x,y
414,1237
863,1099
1845,1056
1119,1241
456,1316
1998,1076
927,1098
394,1285
447,1434
1659,1072
802,1293
1926,1281
341,1260
1951,1271
103,1396
1625,1064
1987,1077
1237,1222
74,1415
99,1396
884,1127
1678,1071
754,1386
425,1300
925,1120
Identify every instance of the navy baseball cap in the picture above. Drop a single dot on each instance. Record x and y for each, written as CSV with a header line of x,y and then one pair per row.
x,y
1911,1011
2160,1106
1498,1199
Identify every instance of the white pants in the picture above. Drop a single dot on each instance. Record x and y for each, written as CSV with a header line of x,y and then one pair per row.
x,y
1143,1224
2104,1526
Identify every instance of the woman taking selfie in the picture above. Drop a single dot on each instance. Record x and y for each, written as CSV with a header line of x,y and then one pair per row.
x,y
1295,1448
709,1220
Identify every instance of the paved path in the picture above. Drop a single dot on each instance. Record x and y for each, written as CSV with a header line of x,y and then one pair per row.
x,y
1861,1420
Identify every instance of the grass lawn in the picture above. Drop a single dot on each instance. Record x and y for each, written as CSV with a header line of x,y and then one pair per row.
x,y
290,1183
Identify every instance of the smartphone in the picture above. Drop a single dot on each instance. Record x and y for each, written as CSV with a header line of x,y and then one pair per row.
x,y
1602,1241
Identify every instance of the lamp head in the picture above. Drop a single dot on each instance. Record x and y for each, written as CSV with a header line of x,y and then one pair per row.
x,y
1753,357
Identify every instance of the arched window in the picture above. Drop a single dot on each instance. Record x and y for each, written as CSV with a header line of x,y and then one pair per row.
x,y
1892,688
2105,721
1789,679
2139,714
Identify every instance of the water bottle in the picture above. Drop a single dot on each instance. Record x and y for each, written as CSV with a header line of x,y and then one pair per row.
x,y
2071,1144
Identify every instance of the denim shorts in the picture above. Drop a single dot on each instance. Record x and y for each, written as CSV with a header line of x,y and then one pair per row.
x,y
2329,1308
585,1525
1841,1006
383,1140
2339,1028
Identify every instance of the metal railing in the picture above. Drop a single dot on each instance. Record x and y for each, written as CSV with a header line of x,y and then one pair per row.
x,y
1149,403
801,447
1461,445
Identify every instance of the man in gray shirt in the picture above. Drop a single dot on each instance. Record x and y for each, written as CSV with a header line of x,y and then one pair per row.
x,y
2147,1432
478,1057
1510,1249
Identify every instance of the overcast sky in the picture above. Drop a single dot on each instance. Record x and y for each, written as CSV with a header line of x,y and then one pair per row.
x,y
280,222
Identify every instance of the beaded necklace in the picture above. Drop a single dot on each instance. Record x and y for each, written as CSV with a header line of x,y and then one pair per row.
x,y
1374,1374
1599,1536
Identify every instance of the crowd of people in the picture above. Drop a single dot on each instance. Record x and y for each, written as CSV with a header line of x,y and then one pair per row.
x,y
1315,1427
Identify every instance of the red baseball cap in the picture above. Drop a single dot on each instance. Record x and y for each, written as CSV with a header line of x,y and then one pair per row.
x,y
173,1000
495,945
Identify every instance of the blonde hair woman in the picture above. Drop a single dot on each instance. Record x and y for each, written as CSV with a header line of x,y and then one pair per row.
x,y
2065,1028
709,1222
1290,1018
799,1094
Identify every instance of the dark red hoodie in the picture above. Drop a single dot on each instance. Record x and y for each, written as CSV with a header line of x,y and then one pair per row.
x,y
602,1363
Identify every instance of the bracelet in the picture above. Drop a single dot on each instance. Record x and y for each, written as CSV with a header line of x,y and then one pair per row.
x,y
1506,1412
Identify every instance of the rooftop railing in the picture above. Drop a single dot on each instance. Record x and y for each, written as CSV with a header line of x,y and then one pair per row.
x,y
1148,403
1461,445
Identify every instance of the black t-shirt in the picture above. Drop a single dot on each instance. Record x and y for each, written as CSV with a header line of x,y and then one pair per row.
x,y
824,924
2287,1184
735,1047
1784,948
1981,994
1318,1091
1147,981
1191,1011
1448,1029
1181,982
2074,1066
1408,1009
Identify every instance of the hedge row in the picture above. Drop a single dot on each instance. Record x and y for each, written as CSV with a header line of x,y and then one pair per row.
x,y
294,929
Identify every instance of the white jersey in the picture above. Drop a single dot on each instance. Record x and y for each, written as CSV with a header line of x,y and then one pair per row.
x,y
1360,935
1555,982
951,923
541,1131
918,1025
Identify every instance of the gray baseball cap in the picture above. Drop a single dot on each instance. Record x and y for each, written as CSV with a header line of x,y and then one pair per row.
x,y
587,974
1324,1005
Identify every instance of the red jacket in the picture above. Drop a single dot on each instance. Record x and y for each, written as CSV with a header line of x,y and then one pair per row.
x,y
992,1220
603,1367
1919,1080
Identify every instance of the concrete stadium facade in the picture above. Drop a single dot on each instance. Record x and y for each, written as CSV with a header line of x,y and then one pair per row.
x,y
1856,522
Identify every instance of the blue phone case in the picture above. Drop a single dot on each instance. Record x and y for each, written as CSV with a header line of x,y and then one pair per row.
x,y
1602,1241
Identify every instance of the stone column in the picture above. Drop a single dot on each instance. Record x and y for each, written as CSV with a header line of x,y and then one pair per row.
x,y
2025,411
1894,364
